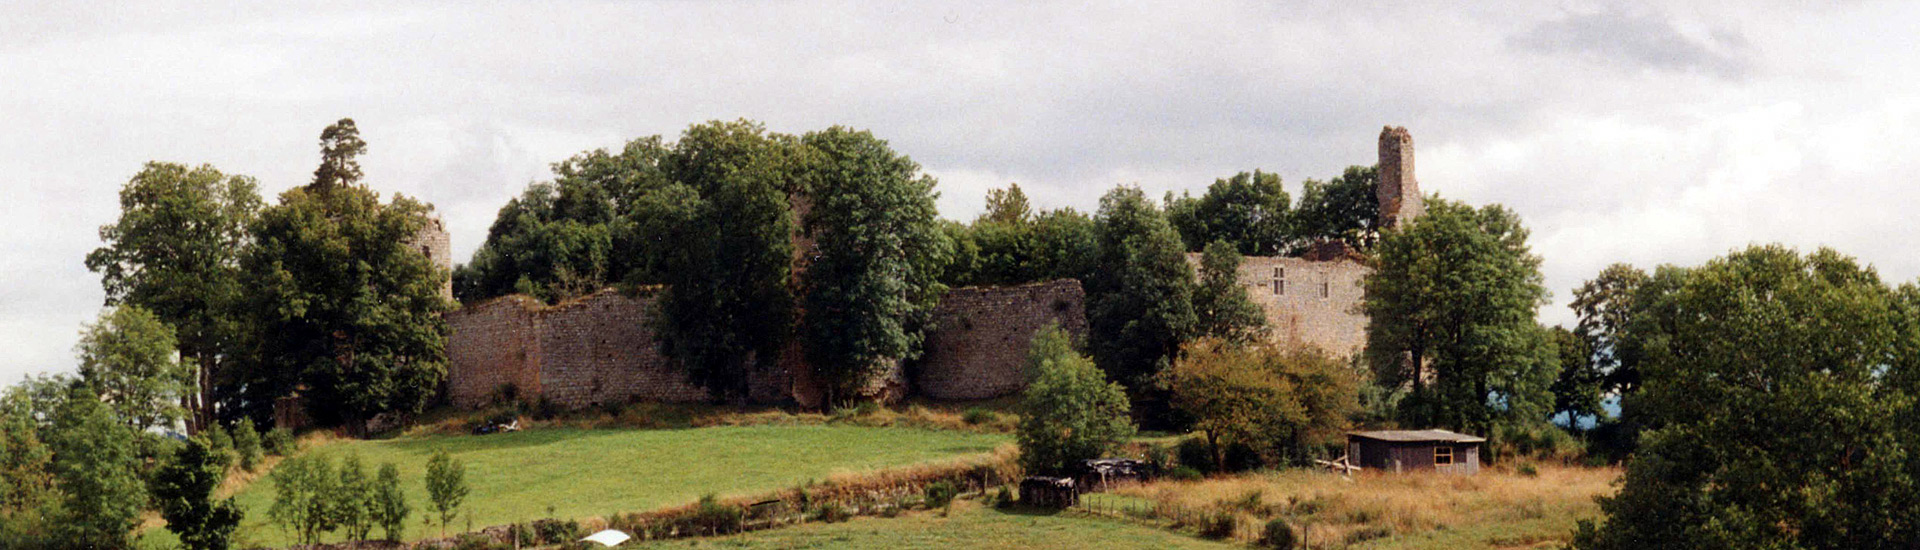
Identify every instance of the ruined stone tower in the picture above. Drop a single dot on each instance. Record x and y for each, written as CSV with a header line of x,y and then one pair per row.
x,y
433,242
1398,192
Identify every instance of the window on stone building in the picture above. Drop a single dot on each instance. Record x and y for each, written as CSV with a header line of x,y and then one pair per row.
x,y
1442,455
1279,281
1326,289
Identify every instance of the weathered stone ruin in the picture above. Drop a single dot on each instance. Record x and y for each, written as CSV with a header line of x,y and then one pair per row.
x,y
600,348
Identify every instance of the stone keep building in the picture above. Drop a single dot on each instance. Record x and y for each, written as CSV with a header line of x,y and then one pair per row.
x,y
1316,299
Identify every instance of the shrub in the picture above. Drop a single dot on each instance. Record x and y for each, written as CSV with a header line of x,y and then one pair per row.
x,y
1216,524
1194,454
714,518
829,512
1368,533
976,416
940,494
221,443
352,501
1184,473
1273,402
1279,535
279,442
246,442
1529,471
1158,458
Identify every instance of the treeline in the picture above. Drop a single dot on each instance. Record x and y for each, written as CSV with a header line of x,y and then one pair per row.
x,y
77,471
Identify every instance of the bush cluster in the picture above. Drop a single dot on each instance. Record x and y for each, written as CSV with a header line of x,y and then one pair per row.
x,y
312,498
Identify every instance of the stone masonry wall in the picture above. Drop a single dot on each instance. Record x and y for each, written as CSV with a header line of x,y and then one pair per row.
x,y
493,344
596,349
977,346
1305,301
433,242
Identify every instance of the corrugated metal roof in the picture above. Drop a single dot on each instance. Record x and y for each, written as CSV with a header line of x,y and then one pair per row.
x,y
1418,435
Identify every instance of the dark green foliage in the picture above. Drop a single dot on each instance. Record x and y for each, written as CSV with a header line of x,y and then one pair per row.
x,y
1249,211
829,512
246,444
446,487
1006,250
279,442
340,150
1196,453
1279,535
1278,403
1345,208
304,489
183,490
1070,412
1456,292
1220,303
128,357
340,303
877,250
940,494
1140,297
1185,473
1576,390
29,498
975,416
94,461
1215,524
389,508
720,238
1780,410
175,252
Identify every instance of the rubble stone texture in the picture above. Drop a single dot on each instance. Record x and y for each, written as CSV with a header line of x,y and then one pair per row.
x,y
977,346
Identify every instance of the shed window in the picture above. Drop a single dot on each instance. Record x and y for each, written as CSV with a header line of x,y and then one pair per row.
x,y
1326,289
1442,455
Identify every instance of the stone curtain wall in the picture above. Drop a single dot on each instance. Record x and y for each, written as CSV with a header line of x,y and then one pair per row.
x,y
1306,301
596,349
977,345
601,349
493,344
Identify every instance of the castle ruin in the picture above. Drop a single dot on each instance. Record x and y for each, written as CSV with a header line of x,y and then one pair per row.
x,y
601,348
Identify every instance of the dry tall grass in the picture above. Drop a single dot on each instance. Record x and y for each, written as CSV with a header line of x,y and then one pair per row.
x,y
1501,507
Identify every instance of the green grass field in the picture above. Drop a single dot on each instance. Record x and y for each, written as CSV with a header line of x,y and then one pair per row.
x,y
584,473
970,526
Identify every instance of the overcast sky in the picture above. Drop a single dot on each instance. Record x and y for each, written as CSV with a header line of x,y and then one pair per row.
x,y
1619,133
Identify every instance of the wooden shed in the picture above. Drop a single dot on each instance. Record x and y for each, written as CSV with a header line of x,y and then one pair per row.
x,y
1414,450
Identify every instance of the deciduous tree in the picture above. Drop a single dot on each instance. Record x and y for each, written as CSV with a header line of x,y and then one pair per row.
x,y
1220,303
1280,402
1455,292
871,278
446,487
341,304
1070,412
1140,296
1777,410
175,251
1344,208
128,356
93,457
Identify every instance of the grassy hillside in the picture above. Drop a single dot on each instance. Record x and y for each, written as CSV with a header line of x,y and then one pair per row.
x,y
582,473
970,526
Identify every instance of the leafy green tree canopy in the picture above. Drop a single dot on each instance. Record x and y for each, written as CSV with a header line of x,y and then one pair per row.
x,y
1250,210
1070,412
1282,402
1344,208
870,278
1780,411
128,356
1455,292
93,457
1140,296
342,305
1221,303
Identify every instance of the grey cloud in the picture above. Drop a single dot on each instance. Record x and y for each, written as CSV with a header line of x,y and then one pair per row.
x,y
1641,40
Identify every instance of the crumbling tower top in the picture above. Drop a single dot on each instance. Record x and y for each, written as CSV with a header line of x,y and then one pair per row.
x,y
1398,192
